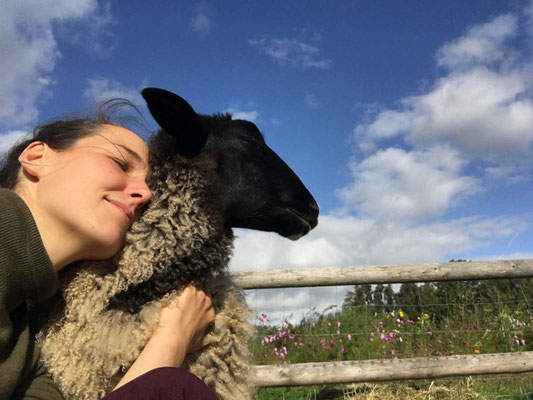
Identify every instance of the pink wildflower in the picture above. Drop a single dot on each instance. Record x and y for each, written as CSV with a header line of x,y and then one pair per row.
x,y
349,336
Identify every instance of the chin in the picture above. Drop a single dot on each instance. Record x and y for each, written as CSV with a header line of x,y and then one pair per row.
x,y
104,248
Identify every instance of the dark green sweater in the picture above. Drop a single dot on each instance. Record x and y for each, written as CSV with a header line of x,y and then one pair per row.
x,y
27,277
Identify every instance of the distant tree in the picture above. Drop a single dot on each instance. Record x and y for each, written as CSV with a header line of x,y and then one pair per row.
x,y
408,299
361,296
429,300
378,298
389,298
513,294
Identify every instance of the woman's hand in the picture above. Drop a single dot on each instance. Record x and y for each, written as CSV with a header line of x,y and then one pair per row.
x,y
187,318
180,330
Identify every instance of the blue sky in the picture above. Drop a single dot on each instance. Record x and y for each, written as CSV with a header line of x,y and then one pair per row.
x,y
410,122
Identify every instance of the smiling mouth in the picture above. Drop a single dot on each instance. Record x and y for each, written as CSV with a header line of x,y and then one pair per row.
x,y
123,208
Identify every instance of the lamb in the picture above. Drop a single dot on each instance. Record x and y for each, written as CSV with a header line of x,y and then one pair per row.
x,y
209,174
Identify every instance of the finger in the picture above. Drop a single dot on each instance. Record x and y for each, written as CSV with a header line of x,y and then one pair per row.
x,y
208,302
211,315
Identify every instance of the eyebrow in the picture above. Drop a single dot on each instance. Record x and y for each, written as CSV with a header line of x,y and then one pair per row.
x,y
132,153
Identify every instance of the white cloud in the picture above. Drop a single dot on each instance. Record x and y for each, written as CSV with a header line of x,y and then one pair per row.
x,y
483,44
94,34
482,112
201,23
407,187
251,115
30,52
478,117
291,51
7,140
485,114
482,106
296,303
100,89
349,241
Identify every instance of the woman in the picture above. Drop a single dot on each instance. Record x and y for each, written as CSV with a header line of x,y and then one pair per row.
x,y
71,193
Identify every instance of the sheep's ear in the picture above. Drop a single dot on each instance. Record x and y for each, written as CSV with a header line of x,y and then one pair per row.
x,y
177,118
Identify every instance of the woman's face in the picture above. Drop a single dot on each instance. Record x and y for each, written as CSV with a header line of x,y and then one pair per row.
x,y
95,190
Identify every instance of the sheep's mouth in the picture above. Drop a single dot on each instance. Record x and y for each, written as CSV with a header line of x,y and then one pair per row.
x,y
305,221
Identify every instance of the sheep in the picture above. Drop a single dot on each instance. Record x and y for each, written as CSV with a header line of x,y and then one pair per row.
x,y
209,174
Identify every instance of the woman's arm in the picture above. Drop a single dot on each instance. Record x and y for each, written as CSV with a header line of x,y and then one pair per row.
x,y
180,331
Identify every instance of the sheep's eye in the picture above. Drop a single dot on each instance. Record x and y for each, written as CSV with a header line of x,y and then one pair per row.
x,y
247,139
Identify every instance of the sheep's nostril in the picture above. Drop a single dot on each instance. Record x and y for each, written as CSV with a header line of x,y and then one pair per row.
x,y
313,206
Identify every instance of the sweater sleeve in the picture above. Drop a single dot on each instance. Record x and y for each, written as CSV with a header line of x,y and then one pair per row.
x,y
38,386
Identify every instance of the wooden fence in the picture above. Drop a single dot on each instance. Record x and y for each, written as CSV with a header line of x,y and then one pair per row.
x,y
396,369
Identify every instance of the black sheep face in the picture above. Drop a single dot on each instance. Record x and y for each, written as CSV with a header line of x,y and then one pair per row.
x,y
258,189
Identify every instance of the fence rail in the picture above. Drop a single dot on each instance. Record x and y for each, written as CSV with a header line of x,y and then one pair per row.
x,y
396,369
358,275
386,370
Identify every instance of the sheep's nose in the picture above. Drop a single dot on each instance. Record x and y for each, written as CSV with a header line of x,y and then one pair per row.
x,y
313,207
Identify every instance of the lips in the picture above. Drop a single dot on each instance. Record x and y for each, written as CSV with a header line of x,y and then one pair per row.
x,y
124,208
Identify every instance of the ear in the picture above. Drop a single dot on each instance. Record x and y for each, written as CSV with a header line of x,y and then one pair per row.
x,y
177,118
31,159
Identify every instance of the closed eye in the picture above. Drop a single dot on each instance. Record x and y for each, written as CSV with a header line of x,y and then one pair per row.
x,y
248,139
121,164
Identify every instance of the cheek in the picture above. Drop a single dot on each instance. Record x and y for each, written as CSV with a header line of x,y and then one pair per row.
x,y
111,177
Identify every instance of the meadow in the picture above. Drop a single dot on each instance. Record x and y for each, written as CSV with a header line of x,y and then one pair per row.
x,y
377,327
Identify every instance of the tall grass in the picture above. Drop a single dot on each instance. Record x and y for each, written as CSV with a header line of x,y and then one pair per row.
x,y
358,334
354,334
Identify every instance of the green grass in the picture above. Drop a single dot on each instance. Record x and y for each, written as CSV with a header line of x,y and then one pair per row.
x,y
355,334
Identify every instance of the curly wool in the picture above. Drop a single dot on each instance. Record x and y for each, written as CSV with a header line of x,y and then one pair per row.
x,y
179,239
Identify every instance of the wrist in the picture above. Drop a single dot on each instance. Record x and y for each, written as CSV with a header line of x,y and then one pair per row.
x,y
172,343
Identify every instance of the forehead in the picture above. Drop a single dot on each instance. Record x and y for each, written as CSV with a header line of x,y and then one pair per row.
x,y
120,139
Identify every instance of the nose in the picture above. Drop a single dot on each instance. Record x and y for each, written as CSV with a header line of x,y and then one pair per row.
x,y
138,192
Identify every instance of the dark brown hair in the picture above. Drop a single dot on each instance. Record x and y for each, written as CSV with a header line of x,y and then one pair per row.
x,y
62,134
